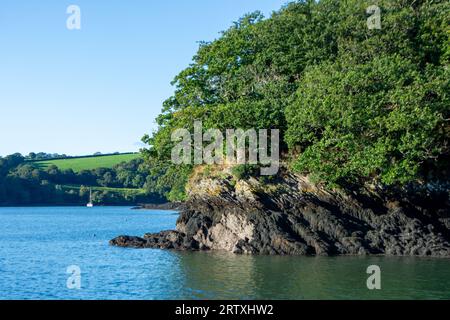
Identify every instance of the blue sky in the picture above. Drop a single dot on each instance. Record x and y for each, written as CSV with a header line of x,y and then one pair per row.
x,y
101,87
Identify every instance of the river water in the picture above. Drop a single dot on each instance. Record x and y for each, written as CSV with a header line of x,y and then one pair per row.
x,y
38,245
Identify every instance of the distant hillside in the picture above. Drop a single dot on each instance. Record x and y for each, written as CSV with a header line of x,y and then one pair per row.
x,y
87,163
119,179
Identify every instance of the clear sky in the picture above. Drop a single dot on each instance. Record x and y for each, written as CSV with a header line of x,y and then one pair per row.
x,y
101,87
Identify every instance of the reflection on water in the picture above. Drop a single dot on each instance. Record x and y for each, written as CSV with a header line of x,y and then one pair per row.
x,y
227,276
38,244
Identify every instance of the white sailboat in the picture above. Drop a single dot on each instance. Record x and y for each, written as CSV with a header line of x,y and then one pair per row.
x,y
90,204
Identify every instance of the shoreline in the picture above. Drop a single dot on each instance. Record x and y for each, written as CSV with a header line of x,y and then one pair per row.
x,y
62,205
293,216
168,206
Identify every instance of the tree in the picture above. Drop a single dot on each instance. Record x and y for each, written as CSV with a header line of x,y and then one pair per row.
x,y
380,119
352,104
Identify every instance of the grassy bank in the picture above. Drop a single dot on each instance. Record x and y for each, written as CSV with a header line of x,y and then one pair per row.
x,y
88,163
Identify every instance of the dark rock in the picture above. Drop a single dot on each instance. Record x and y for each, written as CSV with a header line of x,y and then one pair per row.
x,y
296,217
161,206
127,241
165,240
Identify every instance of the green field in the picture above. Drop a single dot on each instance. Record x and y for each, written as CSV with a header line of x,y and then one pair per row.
x,y
87,163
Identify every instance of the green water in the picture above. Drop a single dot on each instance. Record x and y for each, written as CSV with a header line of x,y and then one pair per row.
x,y
277,277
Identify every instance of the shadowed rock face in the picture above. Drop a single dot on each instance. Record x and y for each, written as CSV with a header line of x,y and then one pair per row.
x,y
293,216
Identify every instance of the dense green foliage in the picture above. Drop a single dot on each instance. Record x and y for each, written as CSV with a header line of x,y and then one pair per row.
x,y
352,104
383,119
78,164
379,108
26,183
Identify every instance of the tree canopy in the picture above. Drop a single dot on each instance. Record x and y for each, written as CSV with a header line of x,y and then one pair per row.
x,y
352,103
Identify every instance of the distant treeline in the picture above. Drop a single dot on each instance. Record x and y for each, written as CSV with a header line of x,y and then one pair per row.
x,y
32,156
25,183
45,156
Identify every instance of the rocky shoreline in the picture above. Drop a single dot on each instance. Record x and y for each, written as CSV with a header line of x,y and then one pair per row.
x,y
292,216
160,206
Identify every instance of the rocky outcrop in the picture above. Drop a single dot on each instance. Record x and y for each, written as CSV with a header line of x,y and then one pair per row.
x,y
292,216
160,206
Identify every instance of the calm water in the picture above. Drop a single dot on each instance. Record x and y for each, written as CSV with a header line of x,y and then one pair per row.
x,y
38,244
